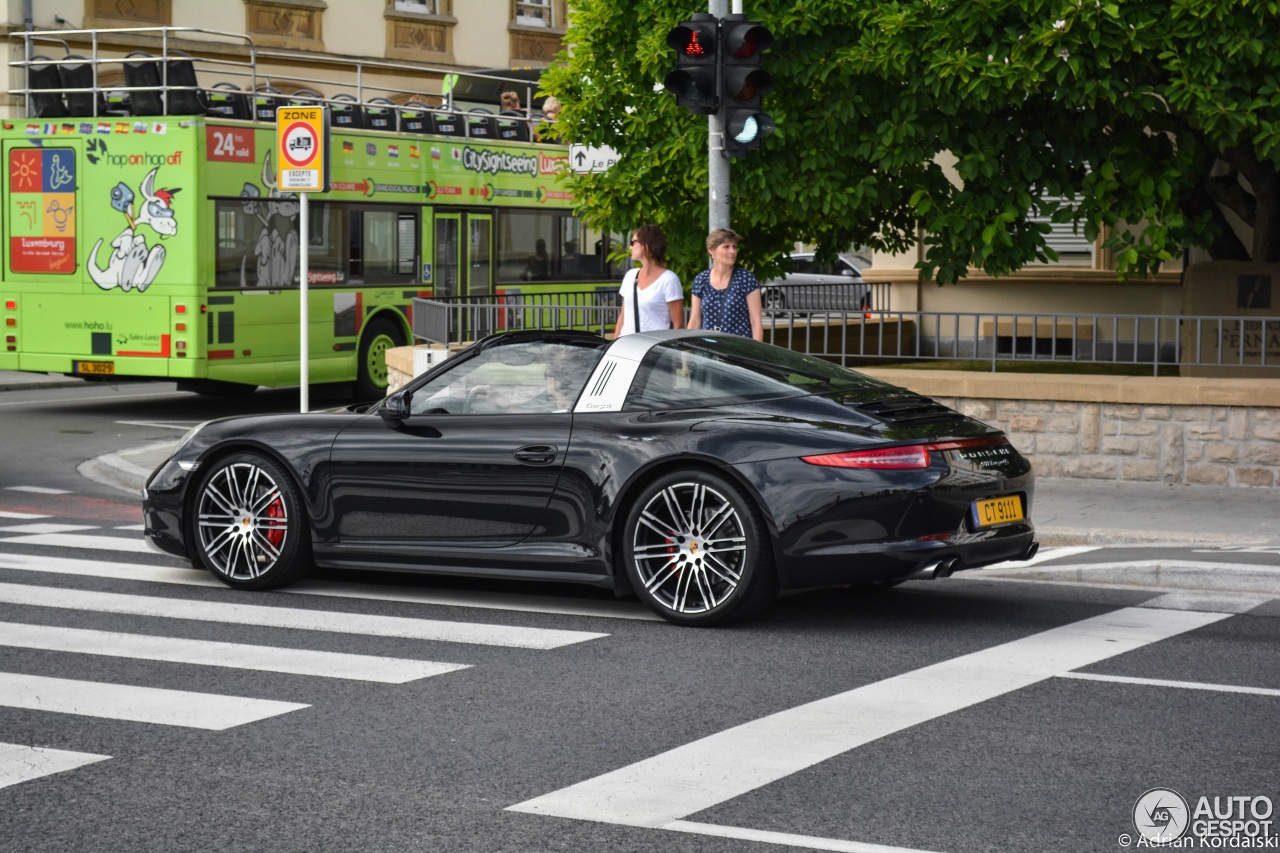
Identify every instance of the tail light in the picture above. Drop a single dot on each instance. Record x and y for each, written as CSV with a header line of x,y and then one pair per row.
x,y
899,458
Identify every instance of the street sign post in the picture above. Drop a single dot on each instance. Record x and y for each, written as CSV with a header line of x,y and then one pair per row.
x,y
302,151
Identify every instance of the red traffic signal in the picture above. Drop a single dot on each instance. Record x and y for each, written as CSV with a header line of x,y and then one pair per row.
x,y
693,81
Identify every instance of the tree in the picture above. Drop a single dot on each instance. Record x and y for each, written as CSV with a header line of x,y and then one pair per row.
x,y
1156,122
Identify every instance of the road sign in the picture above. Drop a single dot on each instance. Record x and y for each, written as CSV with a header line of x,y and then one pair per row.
x,y
588,158
302,144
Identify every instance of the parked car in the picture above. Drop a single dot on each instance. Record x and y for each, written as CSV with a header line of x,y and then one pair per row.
x,y
701,471
812,286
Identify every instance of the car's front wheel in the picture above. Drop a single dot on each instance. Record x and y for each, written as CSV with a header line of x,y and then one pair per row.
x,y
697,551
773,299
250,526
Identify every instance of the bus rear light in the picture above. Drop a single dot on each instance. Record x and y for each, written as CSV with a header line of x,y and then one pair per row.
x,y
11,304
181,309
10,339
180,327
11,321
204,309
883,458
180,345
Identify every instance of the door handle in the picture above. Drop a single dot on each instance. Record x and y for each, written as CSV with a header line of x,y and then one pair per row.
x,y
537,454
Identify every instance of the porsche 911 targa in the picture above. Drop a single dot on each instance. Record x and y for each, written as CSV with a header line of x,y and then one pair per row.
x,y
701,472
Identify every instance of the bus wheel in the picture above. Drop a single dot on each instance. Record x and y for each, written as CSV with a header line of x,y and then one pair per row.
x,y
371,380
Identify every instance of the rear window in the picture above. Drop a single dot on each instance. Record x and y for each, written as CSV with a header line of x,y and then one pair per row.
x,y
722,370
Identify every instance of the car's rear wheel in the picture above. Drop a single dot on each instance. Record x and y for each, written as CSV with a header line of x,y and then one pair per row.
x,y
697,551
250,525
773,299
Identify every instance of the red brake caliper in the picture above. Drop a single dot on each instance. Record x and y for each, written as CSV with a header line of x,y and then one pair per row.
x,y
275,535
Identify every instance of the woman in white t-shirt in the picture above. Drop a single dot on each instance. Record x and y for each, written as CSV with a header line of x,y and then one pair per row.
x,y
655,288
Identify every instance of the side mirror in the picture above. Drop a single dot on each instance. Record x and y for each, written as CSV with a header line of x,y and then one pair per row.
x,y
848,273
395,408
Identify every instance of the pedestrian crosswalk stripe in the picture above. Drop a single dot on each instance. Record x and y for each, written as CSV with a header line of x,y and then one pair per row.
x,y
39,490
137,704
45,527
22,763
611,609
23,515
673,785
82,540
284,617
233,655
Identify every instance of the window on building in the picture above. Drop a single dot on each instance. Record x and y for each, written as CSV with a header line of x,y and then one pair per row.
x,y
425,7
535,13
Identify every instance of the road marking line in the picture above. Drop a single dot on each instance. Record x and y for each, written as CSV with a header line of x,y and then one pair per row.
x,y
23,515
46,527
135,527
136,704
1161,682
699,775
1046,554
482,600
23,763
82,540
303,620
212,653
785,838
39,490
443,598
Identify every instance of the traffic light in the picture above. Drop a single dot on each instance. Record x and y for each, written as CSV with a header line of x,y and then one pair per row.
x,y
694,79
743,84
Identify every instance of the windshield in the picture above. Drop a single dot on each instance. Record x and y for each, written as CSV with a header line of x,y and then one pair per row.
x,y
722,369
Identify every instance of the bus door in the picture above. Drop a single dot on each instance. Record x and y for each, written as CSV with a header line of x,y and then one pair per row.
x,y
464,264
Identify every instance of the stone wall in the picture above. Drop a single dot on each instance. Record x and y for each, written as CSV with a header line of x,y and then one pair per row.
x,y
1222,432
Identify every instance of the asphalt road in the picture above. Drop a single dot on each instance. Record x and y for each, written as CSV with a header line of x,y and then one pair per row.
x,y
968,714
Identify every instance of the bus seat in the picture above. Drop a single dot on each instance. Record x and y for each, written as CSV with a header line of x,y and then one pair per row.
x,y
513,126
227,101
305,98
265,101
346,111
144,77
47,102
480,124
413,117
444,123
180,70
80,76
380,114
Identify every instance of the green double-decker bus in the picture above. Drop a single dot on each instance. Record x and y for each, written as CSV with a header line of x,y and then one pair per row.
x,y
161,246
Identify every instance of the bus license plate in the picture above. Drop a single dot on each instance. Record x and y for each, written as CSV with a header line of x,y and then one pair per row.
x,y
99,368
997,511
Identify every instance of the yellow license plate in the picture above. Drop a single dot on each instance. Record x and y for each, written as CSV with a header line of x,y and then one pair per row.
x,y
96,367
995,511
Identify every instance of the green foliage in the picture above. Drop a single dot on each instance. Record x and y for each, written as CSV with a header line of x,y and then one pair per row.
x,y
1147,118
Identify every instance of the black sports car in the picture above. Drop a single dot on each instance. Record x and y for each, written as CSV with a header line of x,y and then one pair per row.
x,y
700,471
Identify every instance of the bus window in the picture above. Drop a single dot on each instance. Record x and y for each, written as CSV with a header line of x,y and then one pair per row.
x,y
549,245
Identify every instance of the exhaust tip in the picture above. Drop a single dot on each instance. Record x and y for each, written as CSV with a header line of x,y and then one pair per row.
x,y
1031,551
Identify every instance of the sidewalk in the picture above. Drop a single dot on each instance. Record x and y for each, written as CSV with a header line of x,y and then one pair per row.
x,y
16,380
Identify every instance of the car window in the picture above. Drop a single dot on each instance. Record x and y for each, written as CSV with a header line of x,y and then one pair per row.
x,y
536,377
722,370
801,266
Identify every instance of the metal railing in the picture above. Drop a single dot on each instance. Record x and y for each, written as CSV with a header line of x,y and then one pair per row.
x,y
844,336
227,58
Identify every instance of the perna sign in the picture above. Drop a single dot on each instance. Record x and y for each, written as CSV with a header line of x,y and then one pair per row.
x,y
302,143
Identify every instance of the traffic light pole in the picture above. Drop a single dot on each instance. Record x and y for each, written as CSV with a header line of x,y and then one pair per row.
x,y
717,163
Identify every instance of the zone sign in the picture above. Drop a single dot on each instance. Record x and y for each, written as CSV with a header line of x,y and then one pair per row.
x,y
302,145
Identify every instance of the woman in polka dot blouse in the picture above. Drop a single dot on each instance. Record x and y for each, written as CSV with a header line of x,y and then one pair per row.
x,y
726,298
